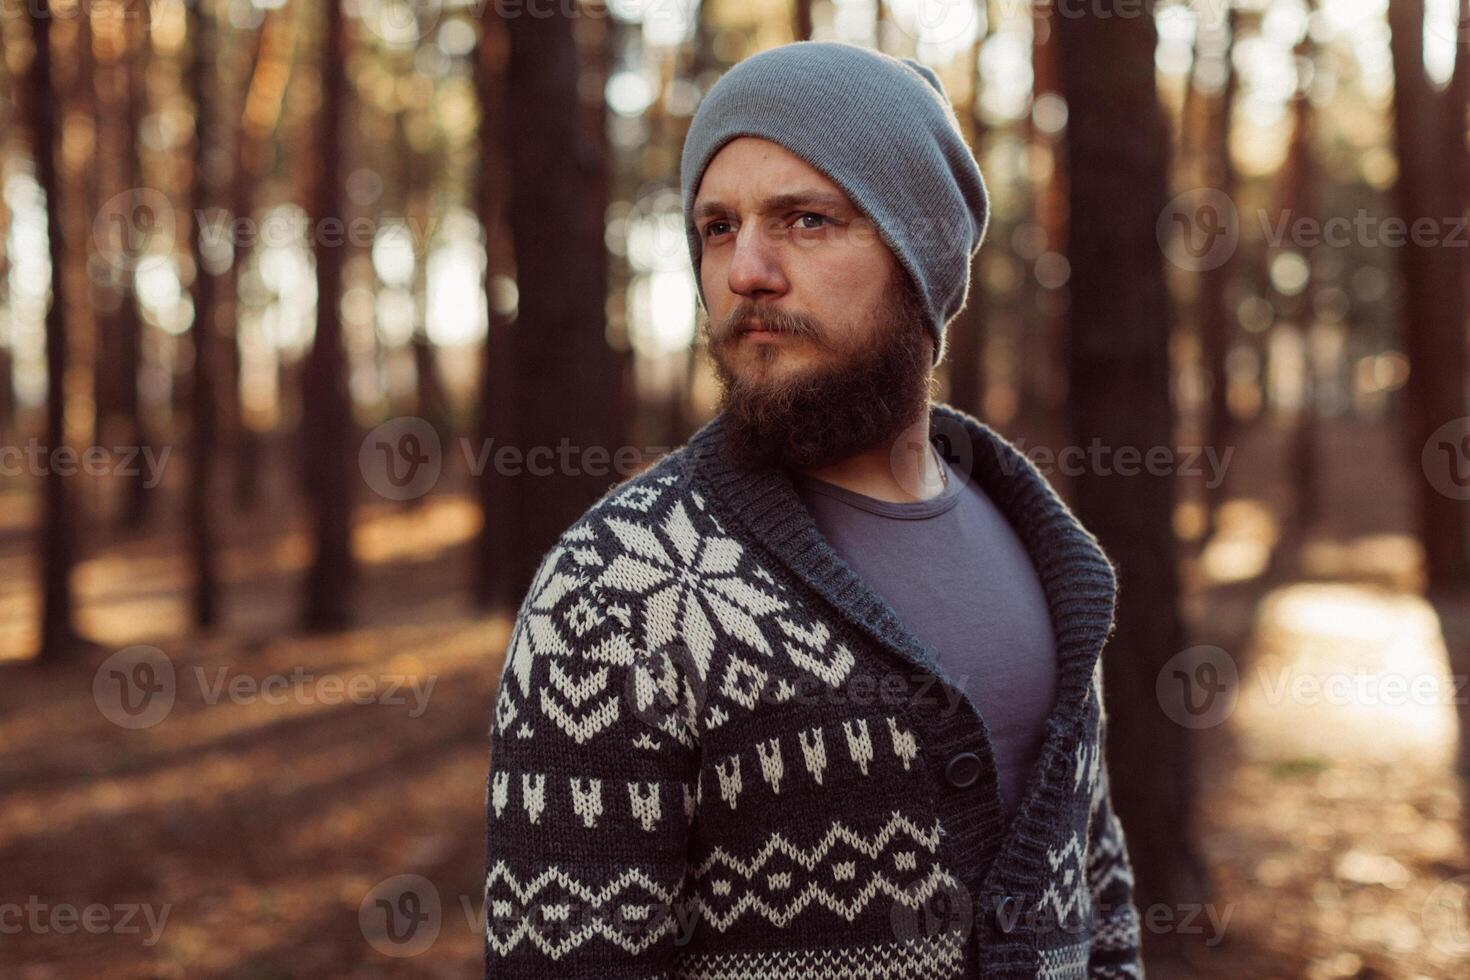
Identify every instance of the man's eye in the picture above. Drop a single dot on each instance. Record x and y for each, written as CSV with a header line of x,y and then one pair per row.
x,y
709,229
822,218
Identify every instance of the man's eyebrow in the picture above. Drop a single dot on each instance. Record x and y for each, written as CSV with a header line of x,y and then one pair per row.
x,y
778,202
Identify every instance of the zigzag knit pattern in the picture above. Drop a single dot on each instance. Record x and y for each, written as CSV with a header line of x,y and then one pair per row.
x,y
918,959
716,754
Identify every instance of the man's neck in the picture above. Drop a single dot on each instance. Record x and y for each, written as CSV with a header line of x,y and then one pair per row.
x,y
904,469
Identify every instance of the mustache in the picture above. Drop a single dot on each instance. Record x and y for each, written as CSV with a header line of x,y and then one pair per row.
x,y
766,318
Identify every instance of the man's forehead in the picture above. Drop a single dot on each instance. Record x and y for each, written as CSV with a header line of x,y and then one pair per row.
x,y
781,172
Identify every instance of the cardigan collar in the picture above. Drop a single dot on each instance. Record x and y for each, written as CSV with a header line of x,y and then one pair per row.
x,y
1075,574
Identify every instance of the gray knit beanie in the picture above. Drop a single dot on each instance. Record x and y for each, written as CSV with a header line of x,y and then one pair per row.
x,y
879,127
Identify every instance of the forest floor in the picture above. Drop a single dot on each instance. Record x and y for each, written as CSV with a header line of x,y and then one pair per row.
x,y
250,831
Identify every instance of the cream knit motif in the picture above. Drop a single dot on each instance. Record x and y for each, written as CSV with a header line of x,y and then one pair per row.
x,y
716,753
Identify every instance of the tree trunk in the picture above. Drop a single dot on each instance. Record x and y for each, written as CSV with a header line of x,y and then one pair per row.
x,y
1216,319
57,544
7,390
326,408
202,390
1299,187
130,325
432,404
496,411
967,333
273,49
565,384
1038,348
239,438
1430,141
111,138
802,20
1457,106
1117,342
7,387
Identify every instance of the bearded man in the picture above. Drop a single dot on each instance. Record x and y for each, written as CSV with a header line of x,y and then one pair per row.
x,y
810,697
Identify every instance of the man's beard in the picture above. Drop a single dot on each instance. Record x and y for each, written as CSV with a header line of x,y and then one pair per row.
x,y
872,388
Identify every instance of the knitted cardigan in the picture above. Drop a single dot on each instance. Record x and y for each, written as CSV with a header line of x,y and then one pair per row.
x,y
717,753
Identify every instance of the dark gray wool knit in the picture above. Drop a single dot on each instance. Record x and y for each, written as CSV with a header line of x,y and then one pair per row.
x,y
717,753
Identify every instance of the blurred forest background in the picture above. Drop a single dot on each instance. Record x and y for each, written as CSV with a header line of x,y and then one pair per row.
x,y
275,273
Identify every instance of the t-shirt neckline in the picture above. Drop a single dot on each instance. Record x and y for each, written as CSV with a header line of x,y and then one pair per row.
x,y
910,510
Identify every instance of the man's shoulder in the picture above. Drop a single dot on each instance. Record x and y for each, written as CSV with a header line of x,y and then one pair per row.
x,y
642,499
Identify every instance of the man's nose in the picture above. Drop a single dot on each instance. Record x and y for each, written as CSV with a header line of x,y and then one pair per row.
x,y
755,268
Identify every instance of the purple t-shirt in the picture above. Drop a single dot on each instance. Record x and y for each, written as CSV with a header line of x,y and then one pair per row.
x,y
993,639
